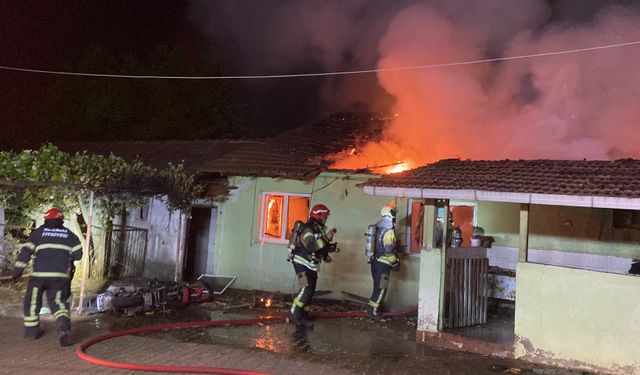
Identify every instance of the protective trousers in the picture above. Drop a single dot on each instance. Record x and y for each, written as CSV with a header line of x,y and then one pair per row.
x,y
380,274
302,302
56,290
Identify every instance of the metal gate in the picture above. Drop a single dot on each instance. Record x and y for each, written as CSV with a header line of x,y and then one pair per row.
x,y
126,249
466,292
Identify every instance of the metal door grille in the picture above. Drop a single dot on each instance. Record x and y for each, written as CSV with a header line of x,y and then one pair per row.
x,y
466,297
126,252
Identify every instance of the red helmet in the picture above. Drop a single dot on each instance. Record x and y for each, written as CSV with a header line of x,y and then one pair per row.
x,y
319,211
53,213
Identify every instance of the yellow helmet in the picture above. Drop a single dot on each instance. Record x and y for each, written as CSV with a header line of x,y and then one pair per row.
x,y
388,211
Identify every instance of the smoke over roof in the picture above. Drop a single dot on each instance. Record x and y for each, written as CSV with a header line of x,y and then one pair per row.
x,y
573,106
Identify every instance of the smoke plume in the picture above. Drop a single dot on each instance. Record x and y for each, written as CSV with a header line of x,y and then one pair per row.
x,y
570,106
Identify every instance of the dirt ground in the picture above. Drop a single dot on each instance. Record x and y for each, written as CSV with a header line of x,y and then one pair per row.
x,y
338,346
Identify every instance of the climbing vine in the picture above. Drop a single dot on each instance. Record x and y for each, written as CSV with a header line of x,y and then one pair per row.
x,y
32,179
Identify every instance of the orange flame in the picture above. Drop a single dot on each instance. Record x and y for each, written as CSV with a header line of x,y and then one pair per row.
x,y
399,168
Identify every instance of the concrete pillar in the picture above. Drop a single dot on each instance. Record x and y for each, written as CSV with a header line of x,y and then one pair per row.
x,y
429,299
524,233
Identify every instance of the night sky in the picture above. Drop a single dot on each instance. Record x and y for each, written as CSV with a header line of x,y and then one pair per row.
x,y
245,37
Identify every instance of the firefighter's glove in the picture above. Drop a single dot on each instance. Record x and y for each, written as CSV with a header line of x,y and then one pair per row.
x,y
17,275
395,266
330,234
333,248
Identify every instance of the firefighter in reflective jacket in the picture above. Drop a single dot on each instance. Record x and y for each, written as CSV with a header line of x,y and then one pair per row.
x,y
309,251
54,249
384,260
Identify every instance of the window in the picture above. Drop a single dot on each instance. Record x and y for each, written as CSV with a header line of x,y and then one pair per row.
x,y
626,219
464,216
278,214
414,232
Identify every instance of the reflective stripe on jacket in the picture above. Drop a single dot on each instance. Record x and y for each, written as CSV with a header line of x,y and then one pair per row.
x,y
53,249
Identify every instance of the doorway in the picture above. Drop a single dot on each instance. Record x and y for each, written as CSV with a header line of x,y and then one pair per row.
x,y
200,241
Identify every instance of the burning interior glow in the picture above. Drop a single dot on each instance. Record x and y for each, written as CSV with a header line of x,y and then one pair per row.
x,y
272,225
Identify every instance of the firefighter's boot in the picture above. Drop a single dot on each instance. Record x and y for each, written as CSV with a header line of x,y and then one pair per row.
x,y
373,314
65,338
31,333
64,329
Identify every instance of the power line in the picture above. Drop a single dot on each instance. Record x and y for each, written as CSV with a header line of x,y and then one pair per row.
x,y
337,73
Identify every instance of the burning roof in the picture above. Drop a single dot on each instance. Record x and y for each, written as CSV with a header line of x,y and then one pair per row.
x,y
586,178
303,152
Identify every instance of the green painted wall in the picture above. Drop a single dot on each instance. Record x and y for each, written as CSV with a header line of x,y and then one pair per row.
x,y
429,307
571,229
263,265
576,317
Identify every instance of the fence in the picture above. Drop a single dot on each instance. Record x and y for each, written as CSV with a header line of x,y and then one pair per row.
x,y
466,292
126,250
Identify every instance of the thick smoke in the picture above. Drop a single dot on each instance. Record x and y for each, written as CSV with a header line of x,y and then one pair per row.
x,y
572,106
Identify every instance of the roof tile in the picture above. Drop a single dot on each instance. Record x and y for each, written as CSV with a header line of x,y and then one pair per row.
x,y
619,178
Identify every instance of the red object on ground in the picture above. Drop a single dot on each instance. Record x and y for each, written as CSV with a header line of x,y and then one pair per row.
x,y
81,350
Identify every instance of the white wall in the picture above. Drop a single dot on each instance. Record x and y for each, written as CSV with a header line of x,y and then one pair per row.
x,y
507,257
165,234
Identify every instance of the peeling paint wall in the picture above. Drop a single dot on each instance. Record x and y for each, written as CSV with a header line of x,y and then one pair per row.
x,y
263,265
578,318
165,233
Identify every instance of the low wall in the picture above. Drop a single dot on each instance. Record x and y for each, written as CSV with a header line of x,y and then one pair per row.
x,y
578,318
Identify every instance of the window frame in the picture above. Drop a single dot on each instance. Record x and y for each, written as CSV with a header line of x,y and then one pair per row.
x,y
475,209
285,210
410,218
472,204
408,233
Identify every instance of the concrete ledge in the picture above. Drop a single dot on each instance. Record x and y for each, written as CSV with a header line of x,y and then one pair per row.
x,y
465,344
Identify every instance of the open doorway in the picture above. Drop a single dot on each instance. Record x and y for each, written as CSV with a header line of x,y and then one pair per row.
x,y
200,240
479,297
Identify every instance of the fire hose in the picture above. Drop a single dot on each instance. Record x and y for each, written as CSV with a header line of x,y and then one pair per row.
x,y
82,354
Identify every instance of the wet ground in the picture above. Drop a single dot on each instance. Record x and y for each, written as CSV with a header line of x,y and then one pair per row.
x,y
345,345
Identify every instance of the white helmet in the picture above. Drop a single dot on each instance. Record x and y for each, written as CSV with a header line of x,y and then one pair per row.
x,y
388,211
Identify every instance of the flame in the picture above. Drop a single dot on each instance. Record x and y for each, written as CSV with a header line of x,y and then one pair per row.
x,y
267,303
399,168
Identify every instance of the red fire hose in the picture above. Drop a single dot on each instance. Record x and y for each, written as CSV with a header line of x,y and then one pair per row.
x,y
81,351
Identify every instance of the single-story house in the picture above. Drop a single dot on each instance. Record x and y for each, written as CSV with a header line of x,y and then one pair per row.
x,y
568,228
257,190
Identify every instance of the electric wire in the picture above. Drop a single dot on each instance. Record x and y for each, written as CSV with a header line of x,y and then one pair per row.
x,y
321,74
320,188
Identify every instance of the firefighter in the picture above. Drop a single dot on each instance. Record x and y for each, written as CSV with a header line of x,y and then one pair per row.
x,y
383,261
310,249
54,249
